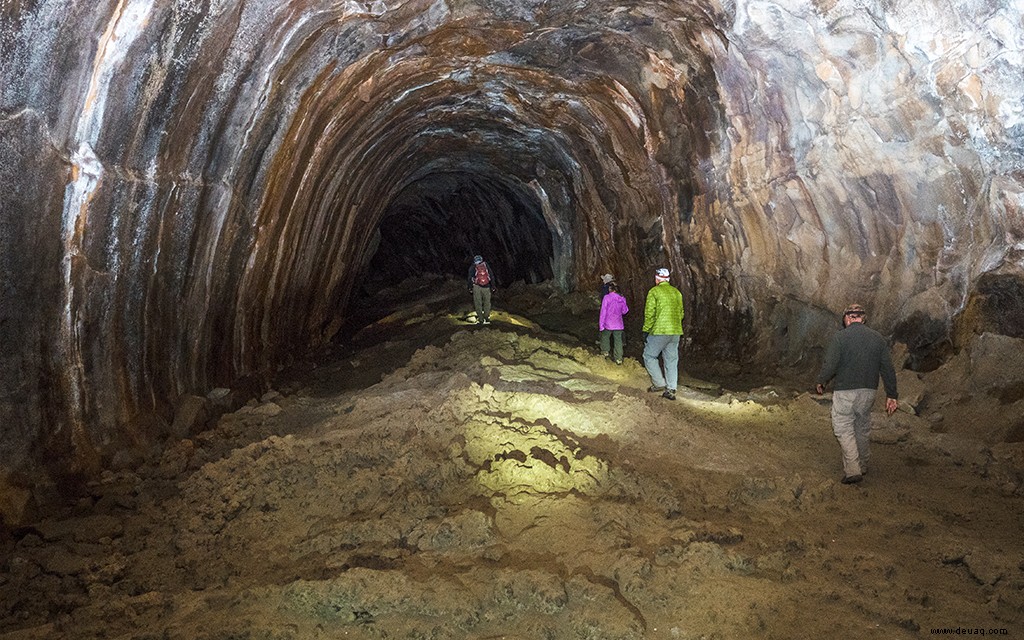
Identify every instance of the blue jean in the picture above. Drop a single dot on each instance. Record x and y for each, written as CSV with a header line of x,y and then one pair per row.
x,y
668,348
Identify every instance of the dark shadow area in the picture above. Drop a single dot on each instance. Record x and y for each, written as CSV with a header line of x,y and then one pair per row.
x,y
438,223
1001,305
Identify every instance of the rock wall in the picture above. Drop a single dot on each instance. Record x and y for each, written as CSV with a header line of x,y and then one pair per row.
x,y
192,188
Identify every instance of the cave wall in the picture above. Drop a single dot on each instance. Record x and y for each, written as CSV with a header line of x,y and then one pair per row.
x,y
876,151
191,188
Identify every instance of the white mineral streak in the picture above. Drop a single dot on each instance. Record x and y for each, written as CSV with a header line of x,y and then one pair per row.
x,y
267,85
125,26
248,48
405,94
377,8
246,41
629,106
1010,51
349,10
558,224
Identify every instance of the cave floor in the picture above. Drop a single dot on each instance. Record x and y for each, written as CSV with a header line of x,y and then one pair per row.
x,y
434,479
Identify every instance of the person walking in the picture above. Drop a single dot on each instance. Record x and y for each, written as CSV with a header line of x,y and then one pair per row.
x,y
856,357
663,326
610,324
481,285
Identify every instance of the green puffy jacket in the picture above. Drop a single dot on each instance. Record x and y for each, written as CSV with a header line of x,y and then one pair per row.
x,y
663,314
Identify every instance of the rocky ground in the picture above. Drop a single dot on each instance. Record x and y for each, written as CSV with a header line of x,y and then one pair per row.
x,y
438,480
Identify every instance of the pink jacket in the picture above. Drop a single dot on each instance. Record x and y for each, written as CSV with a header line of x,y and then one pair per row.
x,y
613,307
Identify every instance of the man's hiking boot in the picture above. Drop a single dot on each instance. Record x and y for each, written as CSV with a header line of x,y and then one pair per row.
x,y
654,389
852,479
670,394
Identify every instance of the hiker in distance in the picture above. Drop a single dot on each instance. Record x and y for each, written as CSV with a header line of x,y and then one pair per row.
x,y
481,285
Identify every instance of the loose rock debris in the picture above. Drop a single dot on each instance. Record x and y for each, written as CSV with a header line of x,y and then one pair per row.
x,y
505,482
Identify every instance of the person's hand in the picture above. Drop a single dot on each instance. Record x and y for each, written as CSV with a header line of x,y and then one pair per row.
x,y
891,405
819,389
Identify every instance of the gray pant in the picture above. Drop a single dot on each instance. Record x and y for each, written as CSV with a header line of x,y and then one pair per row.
x,y
482,302
668,348
611,343
851,422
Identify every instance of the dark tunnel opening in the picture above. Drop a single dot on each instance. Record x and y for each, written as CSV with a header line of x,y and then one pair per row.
x,y
439,222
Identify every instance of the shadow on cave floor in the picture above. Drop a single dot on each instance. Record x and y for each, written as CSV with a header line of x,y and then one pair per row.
x,y
432,479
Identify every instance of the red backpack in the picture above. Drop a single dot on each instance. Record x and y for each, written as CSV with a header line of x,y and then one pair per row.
x,y
482,278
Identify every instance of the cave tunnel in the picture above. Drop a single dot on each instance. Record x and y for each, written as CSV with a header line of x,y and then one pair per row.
x,y
438,224
196,193
258,165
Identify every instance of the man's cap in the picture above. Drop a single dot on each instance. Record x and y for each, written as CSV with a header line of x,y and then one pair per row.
x,y
854,310
478,259
606,278
662,273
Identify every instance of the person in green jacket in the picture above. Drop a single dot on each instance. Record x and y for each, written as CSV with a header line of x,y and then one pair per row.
x,y
663,326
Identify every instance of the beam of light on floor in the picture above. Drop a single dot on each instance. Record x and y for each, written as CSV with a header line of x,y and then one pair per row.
x,y
496,317
514,458
734,409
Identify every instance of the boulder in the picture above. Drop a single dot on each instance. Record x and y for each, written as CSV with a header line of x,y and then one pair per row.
x,y
17,505
996,363
190,418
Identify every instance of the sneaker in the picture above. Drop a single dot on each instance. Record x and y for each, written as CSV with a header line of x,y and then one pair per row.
x,y
654,389
618,362
670,394
486,322
852,479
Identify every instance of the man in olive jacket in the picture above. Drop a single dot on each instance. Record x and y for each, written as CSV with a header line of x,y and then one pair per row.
x,y
663,326
856,356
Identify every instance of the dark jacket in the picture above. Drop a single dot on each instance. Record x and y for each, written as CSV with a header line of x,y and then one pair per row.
x,y
856,357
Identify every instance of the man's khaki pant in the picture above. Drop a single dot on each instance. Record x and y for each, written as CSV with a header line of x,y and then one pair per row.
x,y
851,422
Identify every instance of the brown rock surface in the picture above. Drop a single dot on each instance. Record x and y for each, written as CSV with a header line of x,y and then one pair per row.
x,y
449,500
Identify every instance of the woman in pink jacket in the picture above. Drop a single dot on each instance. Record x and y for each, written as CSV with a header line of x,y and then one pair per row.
x,y
613,307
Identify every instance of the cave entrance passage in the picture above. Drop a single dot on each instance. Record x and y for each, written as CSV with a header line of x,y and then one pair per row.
x,y
436,225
